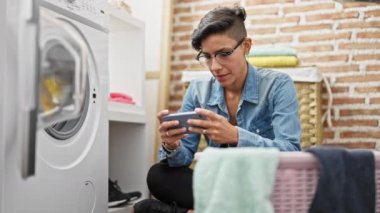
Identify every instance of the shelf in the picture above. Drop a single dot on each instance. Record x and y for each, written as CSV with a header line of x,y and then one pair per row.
x,y
121,20
129,156
126,55
129,150
126,113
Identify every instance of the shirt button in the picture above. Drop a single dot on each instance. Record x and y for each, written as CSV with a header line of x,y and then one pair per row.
x,y
257,131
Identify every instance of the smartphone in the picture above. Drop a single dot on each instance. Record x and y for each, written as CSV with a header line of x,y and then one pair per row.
x,y
182,117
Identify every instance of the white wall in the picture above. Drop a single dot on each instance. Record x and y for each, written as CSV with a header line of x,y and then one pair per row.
x,y
150,11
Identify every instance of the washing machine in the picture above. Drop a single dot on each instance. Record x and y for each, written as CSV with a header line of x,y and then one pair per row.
x,y
54,108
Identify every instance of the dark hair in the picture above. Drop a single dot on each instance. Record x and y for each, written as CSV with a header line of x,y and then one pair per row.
x,y
220,20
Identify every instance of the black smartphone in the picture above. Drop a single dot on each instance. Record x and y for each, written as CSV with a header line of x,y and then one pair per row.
x,y
182,117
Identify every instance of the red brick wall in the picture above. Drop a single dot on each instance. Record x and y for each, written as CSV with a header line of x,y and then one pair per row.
x,y
343,40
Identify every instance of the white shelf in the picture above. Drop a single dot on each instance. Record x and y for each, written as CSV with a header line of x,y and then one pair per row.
x,y
126,55
126,113
129,155
121,20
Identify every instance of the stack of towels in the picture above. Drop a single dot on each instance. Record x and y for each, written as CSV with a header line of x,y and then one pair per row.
x,y
270,56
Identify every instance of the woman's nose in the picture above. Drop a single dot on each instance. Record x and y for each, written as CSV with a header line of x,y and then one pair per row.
x,y
215,65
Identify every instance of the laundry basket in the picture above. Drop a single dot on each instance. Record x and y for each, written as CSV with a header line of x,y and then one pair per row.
x,y
308,83
296,181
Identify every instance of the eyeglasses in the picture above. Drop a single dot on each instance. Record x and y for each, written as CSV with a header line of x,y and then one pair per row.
x,y
222,57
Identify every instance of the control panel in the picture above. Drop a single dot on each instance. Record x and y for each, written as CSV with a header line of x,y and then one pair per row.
x,y
84,7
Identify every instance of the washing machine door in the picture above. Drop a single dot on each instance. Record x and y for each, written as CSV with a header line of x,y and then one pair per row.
x,y
57,84
64,77
63,71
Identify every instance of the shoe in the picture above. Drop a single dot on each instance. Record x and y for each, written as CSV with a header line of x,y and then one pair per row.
x,y
156,206
117,198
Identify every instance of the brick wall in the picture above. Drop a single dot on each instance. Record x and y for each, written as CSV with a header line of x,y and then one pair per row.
x,y
343,40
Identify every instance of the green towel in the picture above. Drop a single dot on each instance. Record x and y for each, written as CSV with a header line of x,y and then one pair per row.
x,y
235,180
272,51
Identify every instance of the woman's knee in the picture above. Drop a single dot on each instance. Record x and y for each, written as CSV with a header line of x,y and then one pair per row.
x,y
155,175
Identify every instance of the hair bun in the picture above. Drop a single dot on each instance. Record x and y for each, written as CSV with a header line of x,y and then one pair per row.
x,y
240,12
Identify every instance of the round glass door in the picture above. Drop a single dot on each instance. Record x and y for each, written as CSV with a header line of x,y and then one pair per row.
x,y
64,93
69,66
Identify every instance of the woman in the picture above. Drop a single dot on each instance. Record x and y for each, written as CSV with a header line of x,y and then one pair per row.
x,y
244,106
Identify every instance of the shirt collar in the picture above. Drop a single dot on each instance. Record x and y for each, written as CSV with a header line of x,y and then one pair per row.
x,y
251,86
250,90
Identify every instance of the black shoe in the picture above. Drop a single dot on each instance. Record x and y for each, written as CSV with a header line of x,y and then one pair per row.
x,y
116,197
156,206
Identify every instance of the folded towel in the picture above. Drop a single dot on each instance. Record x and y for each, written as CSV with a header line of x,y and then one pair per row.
x,y
273,61
235,180
121,98
346,183
272,51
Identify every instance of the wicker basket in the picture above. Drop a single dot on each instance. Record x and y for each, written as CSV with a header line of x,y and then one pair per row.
x,y
308,82
309,100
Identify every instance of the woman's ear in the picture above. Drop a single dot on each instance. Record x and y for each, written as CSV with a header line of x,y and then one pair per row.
x,y
247,45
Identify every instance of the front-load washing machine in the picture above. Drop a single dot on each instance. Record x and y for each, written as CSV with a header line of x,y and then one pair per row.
x,y
55,100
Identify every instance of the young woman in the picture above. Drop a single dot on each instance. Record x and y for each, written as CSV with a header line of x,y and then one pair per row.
x,y
244,106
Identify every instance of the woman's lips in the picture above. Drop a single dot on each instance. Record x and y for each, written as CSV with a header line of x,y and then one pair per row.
x,y
221,77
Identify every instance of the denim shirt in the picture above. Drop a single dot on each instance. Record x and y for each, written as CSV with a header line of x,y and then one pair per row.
x,y
267,114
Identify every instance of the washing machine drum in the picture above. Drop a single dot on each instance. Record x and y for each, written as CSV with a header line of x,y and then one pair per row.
x,y
66,129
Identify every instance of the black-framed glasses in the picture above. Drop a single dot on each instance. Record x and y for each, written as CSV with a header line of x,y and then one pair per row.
x,y
222,57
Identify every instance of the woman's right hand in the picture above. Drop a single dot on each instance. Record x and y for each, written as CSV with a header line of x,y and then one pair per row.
x,y
170,137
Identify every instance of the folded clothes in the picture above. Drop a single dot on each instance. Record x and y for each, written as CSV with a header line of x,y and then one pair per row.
x,y
273,61
120,95
346,183
272,51
235,180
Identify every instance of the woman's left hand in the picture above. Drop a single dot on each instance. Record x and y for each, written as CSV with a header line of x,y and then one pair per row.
x,y
216,127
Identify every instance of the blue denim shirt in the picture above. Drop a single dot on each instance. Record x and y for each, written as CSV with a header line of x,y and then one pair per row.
x,y
267,114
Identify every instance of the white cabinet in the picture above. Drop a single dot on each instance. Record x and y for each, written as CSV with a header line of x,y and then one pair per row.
x,y
126,57
129,156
